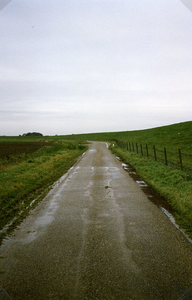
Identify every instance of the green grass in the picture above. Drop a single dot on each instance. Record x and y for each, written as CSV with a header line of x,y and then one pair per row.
x,y
29,176
176,136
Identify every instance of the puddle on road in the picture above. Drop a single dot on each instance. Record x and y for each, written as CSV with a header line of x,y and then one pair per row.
x,y
93,150
154,197
151,194
41,222
141,183
45,220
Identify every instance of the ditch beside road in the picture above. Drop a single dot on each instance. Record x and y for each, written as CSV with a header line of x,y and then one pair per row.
x,y
96,236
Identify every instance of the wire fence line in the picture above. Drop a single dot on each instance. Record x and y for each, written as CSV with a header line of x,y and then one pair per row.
x,y
177,159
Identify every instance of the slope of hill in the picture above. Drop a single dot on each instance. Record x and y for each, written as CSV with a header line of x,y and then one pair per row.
x,y
176,136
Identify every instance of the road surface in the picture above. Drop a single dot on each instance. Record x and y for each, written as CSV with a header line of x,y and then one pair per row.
x,y
96,236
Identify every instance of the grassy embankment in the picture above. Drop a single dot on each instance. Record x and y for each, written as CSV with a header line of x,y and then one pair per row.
x,y
28,171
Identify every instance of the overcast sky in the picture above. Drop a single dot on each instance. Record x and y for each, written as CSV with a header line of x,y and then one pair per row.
x,y
78,66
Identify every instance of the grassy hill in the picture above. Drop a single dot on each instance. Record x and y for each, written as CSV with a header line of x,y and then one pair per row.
x,y
172,137
176,136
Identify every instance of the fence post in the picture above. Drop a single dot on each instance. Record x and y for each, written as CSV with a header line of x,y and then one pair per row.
x,y
129,146
180,158
137,147
141,149
165,152
147,150
133,147
155,154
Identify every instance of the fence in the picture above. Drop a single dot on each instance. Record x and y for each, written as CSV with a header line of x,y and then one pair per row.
x,y
176,159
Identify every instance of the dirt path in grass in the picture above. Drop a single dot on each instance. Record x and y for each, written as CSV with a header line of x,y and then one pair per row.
x,y
96,236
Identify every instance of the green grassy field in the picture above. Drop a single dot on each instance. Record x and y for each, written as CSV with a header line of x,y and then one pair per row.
x,y
176,136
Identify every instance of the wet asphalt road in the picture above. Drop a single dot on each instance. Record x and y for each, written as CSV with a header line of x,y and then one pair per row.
x,y
96,236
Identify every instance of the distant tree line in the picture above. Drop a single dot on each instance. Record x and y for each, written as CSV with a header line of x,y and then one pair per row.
x,y
32,134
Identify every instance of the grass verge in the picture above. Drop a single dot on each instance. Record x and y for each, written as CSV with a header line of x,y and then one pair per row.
x,y
174,185
24,181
